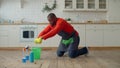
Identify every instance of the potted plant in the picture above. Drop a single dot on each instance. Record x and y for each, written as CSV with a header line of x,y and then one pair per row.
x,y
68,20
48,9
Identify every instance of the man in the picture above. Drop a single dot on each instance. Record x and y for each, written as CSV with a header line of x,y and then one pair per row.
x,y
70,37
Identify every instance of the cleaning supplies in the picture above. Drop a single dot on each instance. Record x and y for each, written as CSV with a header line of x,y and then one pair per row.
x,y
37,52
23,60
27,55
34,54
31,58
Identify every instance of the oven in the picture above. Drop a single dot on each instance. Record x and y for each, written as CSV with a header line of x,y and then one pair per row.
x,y
28,33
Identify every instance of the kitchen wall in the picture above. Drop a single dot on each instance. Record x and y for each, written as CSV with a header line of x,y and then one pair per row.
x,y
32,11
113,14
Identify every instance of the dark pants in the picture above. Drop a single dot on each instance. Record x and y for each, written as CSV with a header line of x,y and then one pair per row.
x,y
72,48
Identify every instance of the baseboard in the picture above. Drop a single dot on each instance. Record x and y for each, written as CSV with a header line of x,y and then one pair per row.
x,y
55,48
104,48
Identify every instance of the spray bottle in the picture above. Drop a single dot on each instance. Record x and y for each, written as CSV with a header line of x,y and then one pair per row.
x,y
27,53
24,58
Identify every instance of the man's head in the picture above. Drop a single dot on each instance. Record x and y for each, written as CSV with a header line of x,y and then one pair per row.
x,y
52,18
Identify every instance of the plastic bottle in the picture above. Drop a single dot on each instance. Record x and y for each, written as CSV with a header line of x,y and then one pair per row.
x,y
37,52
27,54
31,57
23,60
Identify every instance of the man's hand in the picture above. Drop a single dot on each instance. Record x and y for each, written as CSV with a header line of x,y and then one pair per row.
x,y
38,40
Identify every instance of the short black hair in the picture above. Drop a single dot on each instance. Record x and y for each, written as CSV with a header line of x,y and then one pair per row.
x,y
51,15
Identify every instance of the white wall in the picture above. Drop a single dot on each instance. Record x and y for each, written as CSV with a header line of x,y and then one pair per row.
x,y
114,11
31,11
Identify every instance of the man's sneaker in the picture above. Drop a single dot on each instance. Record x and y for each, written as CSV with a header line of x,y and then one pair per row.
x,y
87,51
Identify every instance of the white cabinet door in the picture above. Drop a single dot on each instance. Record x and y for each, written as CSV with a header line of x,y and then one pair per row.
x,y
91,4
81,30
112,37
80,4
55,41
69,5
94,37
4,41
102,5
4,36
14,35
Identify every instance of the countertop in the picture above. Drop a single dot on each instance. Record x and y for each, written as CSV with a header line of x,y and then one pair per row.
x,y
47,23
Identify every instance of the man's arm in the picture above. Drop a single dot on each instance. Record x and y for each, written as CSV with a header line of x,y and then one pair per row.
x,y
54,31
46,30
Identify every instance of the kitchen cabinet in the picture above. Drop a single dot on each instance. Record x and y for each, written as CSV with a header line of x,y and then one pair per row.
x,y
102,4
4,37
111,35
81,31
94,35
55,41
9,35
91,4
72,5
85,5
69,4
13,35
80,4
102,35
21,3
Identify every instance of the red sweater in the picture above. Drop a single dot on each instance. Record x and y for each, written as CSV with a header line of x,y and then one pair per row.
x,y
61,25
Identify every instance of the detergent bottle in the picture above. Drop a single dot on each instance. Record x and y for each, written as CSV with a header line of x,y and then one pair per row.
x,y
31,57
37,52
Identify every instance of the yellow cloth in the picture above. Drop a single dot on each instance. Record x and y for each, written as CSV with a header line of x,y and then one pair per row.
x,y
38,40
